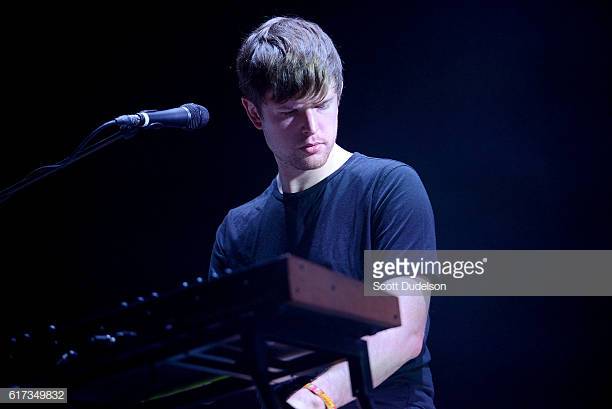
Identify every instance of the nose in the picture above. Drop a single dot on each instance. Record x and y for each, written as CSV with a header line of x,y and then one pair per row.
x,y
309,126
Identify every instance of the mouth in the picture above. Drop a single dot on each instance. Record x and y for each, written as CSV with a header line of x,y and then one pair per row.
x,y
311,148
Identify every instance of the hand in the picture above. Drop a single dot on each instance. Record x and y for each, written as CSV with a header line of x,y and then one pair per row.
x,y
304,399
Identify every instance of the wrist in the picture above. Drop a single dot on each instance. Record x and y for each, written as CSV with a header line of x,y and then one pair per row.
x,y
304,399
320,393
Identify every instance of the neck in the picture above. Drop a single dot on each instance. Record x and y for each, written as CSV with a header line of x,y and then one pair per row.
x,y
294,180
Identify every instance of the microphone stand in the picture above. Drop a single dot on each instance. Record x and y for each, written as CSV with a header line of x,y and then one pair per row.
x,y
80,152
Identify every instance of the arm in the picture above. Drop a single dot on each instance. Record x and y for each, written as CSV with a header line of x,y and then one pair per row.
x,y
403,220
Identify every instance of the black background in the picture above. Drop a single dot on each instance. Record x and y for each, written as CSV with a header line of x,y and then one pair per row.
x,y
504,110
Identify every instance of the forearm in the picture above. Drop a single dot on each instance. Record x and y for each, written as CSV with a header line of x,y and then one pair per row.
x,y
388,350
385,359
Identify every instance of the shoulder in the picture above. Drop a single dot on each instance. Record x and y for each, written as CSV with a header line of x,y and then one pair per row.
x,y
383,171
243,214
391,181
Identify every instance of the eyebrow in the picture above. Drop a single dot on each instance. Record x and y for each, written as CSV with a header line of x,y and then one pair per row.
x,y
285,106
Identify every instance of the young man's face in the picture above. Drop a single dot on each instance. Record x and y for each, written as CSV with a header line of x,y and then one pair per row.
x,y
300,133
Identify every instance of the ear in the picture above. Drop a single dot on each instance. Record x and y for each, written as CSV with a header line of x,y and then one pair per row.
x,y
252,112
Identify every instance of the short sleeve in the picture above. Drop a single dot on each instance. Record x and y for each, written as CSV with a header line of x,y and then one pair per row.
x,y
218,259
403,217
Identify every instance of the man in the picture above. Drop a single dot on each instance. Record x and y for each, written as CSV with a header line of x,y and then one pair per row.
x,y
326,204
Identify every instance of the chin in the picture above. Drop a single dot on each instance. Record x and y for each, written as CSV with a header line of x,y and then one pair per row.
x,y
310,162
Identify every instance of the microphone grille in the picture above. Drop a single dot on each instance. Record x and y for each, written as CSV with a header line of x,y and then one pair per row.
x,y
199,116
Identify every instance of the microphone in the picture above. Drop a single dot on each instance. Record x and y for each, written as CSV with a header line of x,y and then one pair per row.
x,y
187,116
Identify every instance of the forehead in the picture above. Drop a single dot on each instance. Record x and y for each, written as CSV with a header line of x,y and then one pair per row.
x,y
309,100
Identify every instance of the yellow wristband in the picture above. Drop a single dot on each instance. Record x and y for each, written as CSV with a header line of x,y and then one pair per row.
x,y
329,403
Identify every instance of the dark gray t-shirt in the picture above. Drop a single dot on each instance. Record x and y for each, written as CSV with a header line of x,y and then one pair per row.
x,y
367,204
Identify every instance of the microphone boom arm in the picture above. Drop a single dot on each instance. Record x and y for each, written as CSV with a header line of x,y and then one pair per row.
x,y
79,153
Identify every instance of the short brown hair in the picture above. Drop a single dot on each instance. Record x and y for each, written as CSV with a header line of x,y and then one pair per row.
x,y
291,58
